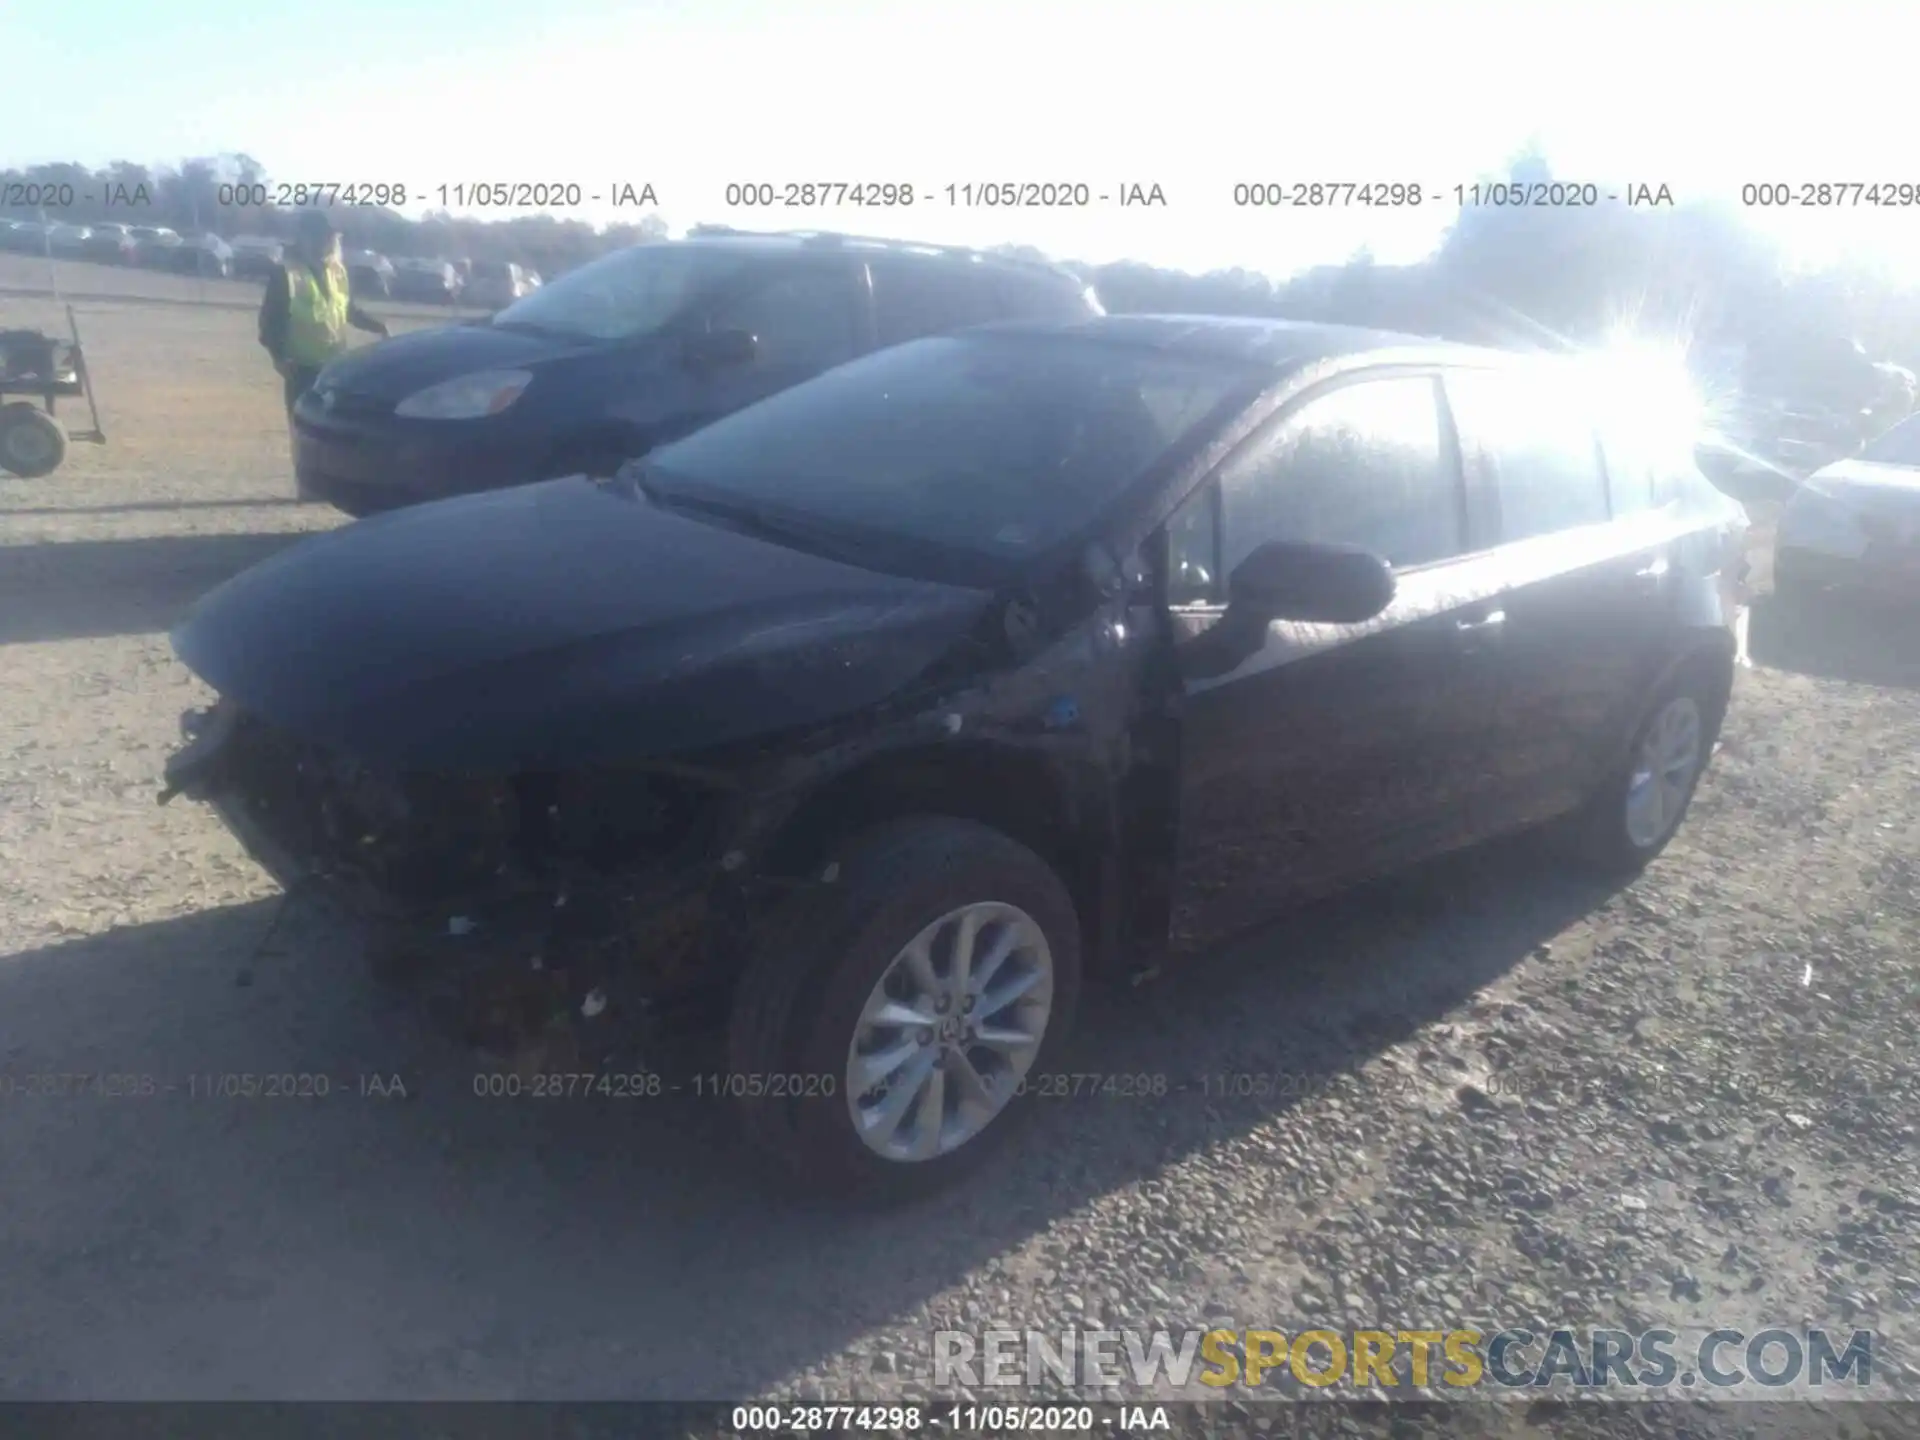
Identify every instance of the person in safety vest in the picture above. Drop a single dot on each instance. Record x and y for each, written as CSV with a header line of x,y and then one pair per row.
x,y
307,309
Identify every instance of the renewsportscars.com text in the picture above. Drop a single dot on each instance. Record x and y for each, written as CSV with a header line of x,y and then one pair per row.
x,y
1774,1362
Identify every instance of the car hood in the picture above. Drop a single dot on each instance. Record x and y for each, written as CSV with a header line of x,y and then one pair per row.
x,y
394,369
555,625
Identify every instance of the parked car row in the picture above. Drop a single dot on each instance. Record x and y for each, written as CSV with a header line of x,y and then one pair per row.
x,y
489,284
950,643
154,246
255,256
437,282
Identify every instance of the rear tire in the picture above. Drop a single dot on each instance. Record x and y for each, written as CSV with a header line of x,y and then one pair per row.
x,y
1635,814
32,443
829,960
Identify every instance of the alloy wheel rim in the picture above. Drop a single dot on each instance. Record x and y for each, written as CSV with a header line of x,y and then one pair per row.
x,y
1664,770
949,1032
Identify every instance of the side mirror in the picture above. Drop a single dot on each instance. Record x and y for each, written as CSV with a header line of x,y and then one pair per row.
x,y
721,349
1318,584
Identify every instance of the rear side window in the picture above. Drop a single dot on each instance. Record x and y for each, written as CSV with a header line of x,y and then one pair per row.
x,y
1529,439
1046,297
1359,466
913,301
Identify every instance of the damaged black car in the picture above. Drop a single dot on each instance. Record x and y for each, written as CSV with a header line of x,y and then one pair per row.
x,y
878,716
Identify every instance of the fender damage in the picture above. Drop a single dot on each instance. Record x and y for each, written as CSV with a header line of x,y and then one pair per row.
x,y
521,900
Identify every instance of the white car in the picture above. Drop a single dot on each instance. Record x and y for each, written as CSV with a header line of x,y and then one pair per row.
x,y
1855,524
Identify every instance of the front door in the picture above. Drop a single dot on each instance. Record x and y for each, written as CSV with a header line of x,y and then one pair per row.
x,y
1336,751
806,318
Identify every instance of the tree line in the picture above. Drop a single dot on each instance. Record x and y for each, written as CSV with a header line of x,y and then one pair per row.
x,y
1509,275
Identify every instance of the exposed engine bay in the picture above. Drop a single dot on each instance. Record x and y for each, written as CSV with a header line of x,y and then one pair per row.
x,y
504,899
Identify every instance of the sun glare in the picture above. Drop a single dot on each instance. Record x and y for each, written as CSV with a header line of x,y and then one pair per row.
x,y
1647,389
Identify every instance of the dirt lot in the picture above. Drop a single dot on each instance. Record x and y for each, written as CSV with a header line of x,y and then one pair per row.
x,y
1502,1096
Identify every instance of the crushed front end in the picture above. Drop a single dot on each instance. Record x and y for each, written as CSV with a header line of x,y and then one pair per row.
x,y
517,905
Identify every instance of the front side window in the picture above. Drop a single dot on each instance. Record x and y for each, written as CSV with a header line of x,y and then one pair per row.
x,y
993,445
1193,551
803,318
1531,439
1362,465
621,296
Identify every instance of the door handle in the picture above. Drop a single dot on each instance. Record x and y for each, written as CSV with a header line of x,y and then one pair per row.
x,y
1492,620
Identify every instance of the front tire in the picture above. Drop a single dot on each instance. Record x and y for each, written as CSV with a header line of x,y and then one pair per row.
x,y
859,991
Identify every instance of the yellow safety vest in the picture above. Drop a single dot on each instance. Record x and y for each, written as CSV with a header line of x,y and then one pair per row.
x,y
316,318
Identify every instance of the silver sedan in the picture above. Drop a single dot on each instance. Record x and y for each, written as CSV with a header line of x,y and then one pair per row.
x,y
1855,524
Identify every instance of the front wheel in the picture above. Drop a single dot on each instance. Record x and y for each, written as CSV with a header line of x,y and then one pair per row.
x,y
889,1020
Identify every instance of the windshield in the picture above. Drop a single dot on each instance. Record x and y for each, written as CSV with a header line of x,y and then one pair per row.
x,y
1899,446
999,445
629,293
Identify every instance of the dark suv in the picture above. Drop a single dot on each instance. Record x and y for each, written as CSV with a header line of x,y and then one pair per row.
x,y
638,347
882,711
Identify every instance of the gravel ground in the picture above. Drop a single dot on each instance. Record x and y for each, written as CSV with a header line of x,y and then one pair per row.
x,y
1502,1096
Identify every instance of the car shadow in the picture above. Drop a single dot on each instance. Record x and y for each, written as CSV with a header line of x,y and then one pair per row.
x,y
1861,639
84,589
192,1241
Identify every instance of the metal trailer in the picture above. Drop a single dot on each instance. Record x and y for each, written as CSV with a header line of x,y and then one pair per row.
x,y
34,364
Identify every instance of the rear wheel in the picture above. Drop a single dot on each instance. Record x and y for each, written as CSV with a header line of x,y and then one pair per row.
x,y
32,443
1635,814
883,1032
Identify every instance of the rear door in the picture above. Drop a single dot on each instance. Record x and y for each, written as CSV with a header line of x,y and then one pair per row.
x,y
1337,751
1586,570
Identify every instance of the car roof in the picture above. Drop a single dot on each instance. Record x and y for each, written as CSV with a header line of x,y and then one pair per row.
x,y
1277,344
774,243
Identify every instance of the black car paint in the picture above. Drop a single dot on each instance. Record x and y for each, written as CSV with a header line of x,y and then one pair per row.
x,y
1179,810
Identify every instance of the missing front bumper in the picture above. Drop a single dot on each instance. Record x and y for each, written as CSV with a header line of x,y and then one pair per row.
x,y
507,949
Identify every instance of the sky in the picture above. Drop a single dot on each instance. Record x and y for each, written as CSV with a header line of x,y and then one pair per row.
x,y
1191,95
